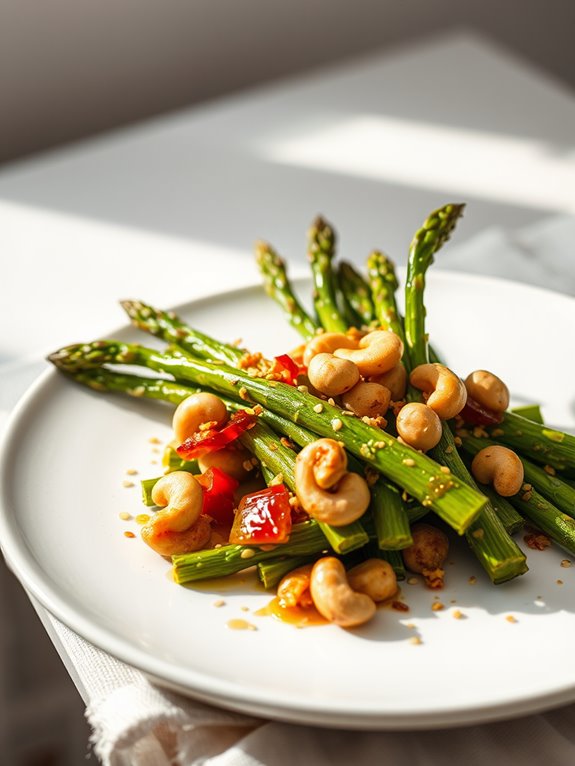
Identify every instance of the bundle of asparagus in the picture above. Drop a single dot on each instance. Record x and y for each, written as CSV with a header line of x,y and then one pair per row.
x,y
405,484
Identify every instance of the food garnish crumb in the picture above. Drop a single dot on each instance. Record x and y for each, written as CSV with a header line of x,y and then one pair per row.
x,y
125,516
220,602
565,563
415,640
336,424
437,606
129,534
154,440
472,580
131,472
409,462
458,615
410,626
559,582
511,618
412,581
127,484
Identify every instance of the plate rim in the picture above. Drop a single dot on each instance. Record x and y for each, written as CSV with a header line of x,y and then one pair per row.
x,y
217,691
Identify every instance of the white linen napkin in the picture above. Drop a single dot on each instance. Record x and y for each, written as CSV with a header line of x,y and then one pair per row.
x,y
138,724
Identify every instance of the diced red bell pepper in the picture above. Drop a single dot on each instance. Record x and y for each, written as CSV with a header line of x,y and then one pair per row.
x,y
478,415
288,369
214,439
263,518
218,494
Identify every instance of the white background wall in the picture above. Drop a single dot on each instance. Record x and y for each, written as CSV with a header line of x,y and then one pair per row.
x,y
69,68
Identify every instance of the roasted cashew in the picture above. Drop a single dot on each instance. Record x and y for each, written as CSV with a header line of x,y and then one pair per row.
x,y
447,393
501,466
395,380
332,376
379,351
293,589
196,410
324,488
178,527
326,343
334,598
375,578
419,426
233,460
487,389
367,399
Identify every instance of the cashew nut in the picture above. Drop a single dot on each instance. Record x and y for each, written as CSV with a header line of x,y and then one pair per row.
x,y
395,380
332,376
501,466
334,598
293,589
375,578
233,460
324,488
419,426
379,351
487,389
178,527
447,393
326,343
428,551
196,410
367,399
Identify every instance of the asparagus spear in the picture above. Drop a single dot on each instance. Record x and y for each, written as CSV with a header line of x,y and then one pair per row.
x,y
321,245
456,503
546,517
536,441
494,548
278,287
169,327
356,294
383,283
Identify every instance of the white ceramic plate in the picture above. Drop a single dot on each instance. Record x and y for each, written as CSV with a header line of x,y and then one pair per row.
x,y
63,467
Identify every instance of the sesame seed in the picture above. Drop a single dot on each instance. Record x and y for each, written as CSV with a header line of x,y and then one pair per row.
x,y
220,602
131,472
511,618
336,424
409,462
437,606
125,516
457,614
331,401
415,640
318,408
549,469
127,484
247,553
444,469
303,389
412,581
154,440
479,534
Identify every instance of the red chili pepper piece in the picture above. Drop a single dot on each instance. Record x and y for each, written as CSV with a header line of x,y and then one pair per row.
x,y
218,491
478,415
288,368
214,439
263,518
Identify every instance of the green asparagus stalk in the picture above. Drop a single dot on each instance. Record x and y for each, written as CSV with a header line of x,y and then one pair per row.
x,y
390,517
496,551
435,231
169,327
321,246
306,539
558,492
278,287
511,520
420,476
271,572
356,294
546,517
384,285
529,411
536,441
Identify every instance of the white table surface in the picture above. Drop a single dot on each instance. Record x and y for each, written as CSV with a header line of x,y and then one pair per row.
x,y
167,210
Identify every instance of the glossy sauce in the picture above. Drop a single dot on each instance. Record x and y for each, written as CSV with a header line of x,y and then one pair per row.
x,y
298,616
